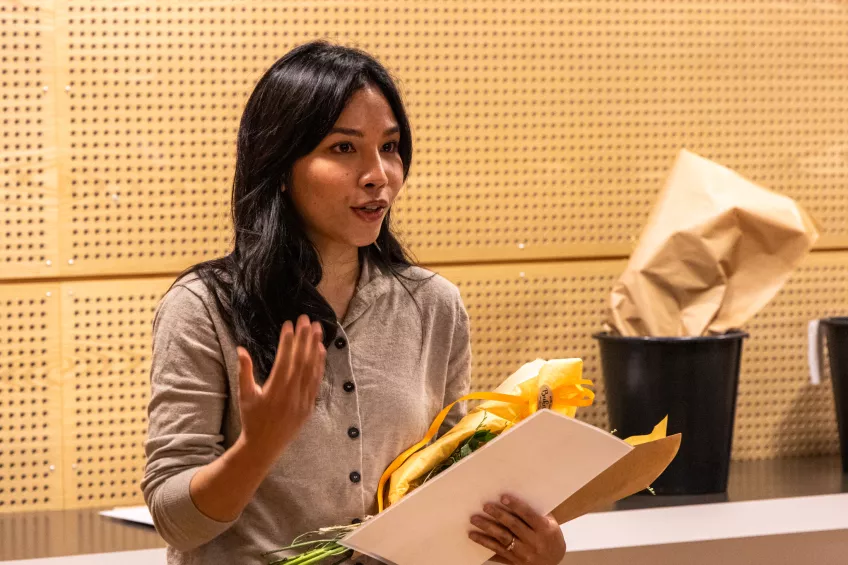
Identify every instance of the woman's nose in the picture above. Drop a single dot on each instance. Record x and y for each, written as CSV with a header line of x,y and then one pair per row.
x,y
374,173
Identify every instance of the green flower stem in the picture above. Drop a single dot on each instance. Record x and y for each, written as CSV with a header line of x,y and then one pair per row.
x,y
313,556
300,544
318,558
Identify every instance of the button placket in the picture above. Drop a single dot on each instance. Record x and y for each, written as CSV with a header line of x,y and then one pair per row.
x,y
350,405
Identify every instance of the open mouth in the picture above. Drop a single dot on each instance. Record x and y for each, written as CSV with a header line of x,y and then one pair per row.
x,y
372,213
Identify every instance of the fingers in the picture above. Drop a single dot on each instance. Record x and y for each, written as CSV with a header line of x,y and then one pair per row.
x,y
247,385
489,543
510,521
536,521
301,352
299,363
303,376
278,377
514,520
318,332
306,374
314,372
494,530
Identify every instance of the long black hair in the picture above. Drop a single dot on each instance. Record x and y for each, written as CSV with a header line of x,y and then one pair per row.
x,y
273,272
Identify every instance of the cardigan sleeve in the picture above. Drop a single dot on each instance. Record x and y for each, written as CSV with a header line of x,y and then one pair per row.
x,y
188,398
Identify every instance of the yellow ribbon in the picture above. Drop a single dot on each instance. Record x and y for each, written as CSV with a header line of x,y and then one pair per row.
x,y
658,432
575,396
581,396
434,429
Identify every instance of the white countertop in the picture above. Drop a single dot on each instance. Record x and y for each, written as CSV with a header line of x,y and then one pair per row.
x,y
617,530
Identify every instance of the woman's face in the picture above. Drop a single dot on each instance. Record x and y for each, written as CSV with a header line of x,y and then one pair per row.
x,y
345,186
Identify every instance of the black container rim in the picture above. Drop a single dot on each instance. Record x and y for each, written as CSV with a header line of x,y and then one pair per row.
x,y
835,320
730,335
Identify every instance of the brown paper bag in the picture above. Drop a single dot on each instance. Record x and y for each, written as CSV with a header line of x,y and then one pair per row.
x,y
716,249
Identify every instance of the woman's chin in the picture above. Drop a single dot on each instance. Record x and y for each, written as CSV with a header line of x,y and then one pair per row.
x,y
368,243
364,240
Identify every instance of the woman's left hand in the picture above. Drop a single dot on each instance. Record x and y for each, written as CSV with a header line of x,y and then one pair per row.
x,y
517,534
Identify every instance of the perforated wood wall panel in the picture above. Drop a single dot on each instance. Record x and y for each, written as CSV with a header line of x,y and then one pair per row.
x,y
524,311
28,173
552,125
150,111
543,129
106,338
780,414
30,398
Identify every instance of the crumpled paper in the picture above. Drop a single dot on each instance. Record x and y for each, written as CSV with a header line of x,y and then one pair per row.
x,y
716,249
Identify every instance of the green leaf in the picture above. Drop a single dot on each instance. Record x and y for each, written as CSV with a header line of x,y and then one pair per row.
x,y
465,451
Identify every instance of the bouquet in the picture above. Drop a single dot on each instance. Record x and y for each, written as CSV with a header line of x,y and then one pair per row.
x,y
556,385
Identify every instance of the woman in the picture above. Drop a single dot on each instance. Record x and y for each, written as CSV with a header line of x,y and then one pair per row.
x,y
287,375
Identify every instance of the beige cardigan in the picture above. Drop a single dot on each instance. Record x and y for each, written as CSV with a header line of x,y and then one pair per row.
x,y
391,369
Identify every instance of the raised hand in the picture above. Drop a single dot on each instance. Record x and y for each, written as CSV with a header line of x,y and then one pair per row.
x,y
272,414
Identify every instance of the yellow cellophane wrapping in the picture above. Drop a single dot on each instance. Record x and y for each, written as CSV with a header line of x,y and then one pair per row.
x,y
558,385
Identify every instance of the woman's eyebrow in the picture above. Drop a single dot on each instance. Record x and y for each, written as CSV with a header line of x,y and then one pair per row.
x,y
357,133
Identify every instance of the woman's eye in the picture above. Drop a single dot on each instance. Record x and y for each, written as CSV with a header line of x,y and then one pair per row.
x,y
345,147
390,147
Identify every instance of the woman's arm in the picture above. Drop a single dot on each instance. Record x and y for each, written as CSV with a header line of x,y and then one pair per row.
x,y
189,394
271,416
195,490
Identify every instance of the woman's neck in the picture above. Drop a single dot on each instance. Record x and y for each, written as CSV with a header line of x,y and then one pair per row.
x,y
340,273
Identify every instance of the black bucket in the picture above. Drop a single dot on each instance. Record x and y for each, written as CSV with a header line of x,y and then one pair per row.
x,y
692,380
835,331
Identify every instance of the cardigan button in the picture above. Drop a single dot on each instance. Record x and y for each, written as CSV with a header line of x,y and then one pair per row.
x,y
349,386
340,343
353,433
355,477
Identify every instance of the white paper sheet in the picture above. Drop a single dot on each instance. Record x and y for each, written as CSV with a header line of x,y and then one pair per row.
x,y
137,514
535,461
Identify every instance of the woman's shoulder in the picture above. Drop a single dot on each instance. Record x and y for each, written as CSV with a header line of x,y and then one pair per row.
x,y
186,290
188,300
431,287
